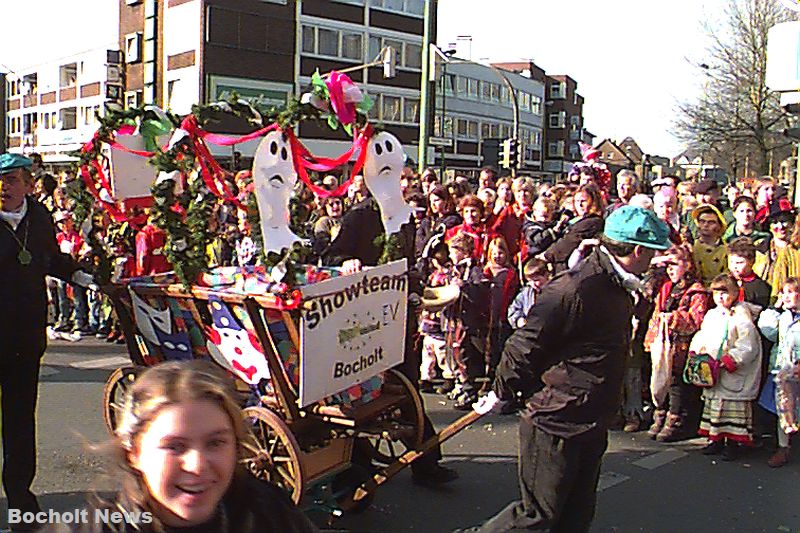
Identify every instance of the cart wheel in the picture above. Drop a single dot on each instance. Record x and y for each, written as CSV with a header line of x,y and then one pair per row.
x,y
114,392
276,457
400,428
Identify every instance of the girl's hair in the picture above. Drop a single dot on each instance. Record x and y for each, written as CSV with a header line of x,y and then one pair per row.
x,y
793,283
463,243
524,182
162,386
471,201
597,206
441,192
742,247
500,242
726,283
794,240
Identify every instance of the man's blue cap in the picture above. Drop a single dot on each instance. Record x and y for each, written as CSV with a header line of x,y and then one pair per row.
x,y
635,225
9,162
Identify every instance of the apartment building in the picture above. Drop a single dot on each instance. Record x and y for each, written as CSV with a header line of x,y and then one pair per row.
x,y
474,107
267,50
52,108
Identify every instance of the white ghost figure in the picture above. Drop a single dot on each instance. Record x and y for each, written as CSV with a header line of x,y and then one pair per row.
x,y
274,179
382,169
148,318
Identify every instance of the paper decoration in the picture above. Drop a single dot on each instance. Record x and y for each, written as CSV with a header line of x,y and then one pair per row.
x,y
131,174
149,318
175,346
230,345
382,170
274,179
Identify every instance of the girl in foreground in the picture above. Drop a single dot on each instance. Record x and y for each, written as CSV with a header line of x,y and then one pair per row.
x,y
179,447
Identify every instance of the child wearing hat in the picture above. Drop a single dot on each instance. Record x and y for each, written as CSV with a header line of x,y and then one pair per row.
x,y
709,252
434,346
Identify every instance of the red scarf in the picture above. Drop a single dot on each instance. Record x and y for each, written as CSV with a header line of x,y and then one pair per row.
x,y
745,279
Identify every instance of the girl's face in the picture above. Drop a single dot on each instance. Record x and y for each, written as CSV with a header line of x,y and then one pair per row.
x,y
790,297
582,203
779,229
724,299
504,192
498,256
186,457
523,196
334,208
472,215
765,194
676,270
437,204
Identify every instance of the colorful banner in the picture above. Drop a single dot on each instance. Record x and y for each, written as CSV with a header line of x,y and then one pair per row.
x,y
352,328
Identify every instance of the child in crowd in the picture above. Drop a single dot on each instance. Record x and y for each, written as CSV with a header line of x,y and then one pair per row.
x,y
729,336
741,257
467,320
682,302
434,348
503,284
710,253
471,210
536,274
781,325
539,230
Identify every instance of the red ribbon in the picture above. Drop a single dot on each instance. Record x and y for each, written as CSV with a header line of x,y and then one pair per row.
x,y
302,162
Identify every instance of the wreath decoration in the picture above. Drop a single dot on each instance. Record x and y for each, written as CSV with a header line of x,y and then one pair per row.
x,y
190,181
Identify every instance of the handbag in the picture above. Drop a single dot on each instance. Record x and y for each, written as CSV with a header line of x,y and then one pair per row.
x,y
701,369
661,360
787,400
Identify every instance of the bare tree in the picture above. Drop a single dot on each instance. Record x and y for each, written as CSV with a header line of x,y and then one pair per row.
x,y
736,120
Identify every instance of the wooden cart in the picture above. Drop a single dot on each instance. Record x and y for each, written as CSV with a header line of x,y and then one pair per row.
x,y
321,453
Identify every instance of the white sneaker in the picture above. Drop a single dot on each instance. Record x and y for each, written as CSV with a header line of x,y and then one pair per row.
x,y
71,337
52,334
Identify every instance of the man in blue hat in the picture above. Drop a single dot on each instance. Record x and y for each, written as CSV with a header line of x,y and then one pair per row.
x,y
28,253
569,362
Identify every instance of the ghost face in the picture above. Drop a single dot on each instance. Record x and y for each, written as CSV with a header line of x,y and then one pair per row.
x,y
148,319
234,348
274,179
382,170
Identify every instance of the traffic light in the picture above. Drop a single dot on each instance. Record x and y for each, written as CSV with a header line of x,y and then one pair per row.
x,y
511,154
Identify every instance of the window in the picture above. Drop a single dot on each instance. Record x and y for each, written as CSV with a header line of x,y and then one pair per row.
x,y
486,130
461,85
555,149
68,118
486,90
407,7
67,75
536,105
391,110
575,122
524,101
410,111
309,40
413,56
133,47
472,88
447,83
557,90
536,140
351,46
494,92
472,129
461,127
557,119
328,42
448,126
133,99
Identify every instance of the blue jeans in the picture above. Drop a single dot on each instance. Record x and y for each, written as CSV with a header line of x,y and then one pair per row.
x,y
81,295
64,304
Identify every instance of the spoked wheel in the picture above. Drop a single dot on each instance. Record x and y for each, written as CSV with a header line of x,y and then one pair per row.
x,y
276,457
400,428
114,392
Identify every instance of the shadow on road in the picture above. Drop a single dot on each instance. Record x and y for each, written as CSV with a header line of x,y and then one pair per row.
x,y
68,374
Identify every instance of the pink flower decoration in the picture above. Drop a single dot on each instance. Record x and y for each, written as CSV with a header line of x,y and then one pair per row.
x,y
344,96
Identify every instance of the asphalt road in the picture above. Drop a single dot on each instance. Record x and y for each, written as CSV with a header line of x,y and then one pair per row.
x,y
645,486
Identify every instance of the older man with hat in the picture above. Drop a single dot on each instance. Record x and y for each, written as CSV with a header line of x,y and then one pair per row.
x,y
28,253
576,342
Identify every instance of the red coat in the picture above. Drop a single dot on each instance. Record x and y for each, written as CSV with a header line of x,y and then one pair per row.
x,y
150,257
509,225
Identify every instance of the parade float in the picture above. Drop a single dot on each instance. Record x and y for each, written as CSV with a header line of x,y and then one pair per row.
x,y
313,351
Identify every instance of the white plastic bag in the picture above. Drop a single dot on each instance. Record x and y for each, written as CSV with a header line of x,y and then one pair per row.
x,y
661,360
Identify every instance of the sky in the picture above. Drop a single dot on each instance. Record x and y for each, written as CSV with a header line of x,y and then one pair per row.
x,y
633,59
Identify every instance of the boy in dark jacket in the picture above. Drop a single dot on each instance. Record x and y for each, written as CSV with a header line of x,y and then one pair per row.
x,y
467,320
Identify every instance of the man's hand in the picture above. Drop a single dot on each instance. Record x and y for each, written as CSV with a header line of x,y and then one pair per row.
x,y
488,404
351,266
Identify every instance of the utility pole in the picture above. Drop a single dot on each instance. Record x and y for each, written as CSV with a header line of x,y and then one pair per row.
x,y
425,86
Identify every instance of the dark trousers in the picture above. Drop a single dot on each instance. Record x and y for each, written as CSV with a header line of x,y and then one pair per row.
x,y
683,399
472,360
19,381
557,481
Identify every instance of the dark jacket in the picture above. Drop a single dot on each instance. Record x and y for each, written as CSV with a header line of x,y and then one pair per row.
x,y
429,226
250,506
576,339
23,305
538,236
472,308
357,239
587,227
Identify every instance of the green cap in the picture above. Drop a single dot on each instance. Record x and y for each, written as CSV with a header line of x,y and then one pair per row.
x,y
634,225
9,162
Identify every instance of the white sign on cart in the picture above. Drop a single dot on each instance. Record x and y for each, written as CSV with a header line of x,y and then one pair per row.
x,y
352,328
